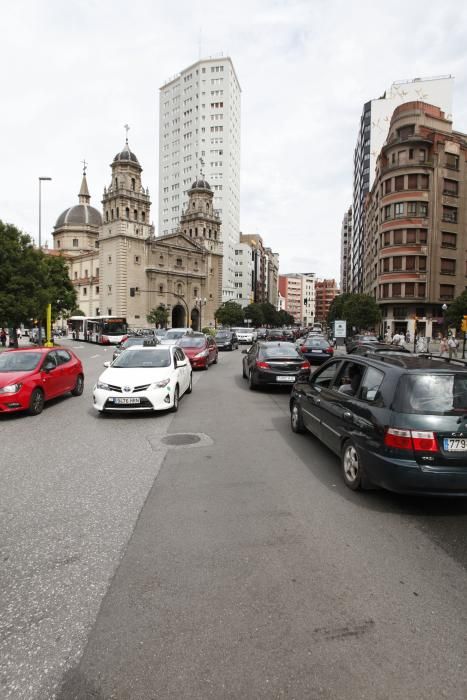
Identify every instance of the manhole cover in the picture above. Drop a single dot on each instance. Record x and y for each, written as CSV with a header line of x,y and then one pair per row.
x,y
181,439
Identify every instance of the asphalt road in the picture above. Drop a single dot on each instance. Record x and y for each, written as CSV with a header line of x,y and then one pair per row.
x,y
237,567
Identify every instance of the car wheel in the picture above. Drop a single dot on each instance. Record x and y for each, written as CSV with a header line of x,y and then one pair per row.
x,y
251,381
214,362
245,376
174,407
36,403
79,386
190,385
206,366
352,469
296,419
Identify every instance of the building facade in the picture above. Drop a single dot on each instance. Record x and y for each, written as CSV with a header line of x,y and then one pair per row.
x,y
373,130
346,250
264,269
297,290
326,291
416,221
199,120
121,268
244,274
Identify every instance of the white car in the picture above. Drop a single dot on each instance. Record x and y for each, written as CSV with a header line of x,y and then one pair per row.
x,y
144,379
245,335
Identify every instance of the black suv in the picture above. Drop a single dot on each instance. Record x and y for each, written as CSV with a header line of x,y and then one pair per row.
x,y
396,421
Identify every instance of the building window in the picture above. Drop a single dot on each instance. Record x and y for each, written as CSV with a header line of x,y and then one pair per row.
x,y
411,235
450,214
107,215
387,212
137,259
396,289
85,291
127,213
76,275
75,242
109,311
397,263
399,209
412,182
179,262
387,186
109,288
448,240
411,208
118,212
448,266
422,263
97,290
385,264
446,291
421,289
387,238
422,235
195,292
424,182
109,258
409,289
143,216
399,183
423,209
398,237
58,244
451,187
133,184
452,161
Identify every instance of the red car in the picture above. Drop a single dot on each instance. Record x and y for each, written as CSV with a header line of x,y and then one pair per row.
x,y
31,376
200,349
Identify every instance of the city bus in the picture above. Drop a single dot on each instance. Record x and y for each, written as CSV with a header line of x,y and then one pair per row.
x,y
104,330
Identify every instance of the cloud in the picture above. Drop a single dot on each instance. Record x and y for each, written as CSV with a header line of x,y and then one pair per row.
x,y
74,73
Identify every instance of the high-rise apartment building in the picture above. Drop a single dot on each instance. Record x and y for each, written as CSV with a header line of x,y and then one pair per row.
x,y
373,130
244,274
325,291
297,290
199,130
415,229
346,249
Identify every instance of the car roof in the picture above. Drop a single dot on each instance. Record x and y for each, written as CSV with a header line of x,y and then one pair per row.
x,y
275,343
38,348
410,362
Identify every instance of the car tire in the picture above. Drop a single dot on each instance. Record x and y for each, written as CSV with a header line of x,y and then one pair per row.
x,y
214,362
352,469
296,419
36,402
190,385
244,374
79,386
174,407
251,381
206,366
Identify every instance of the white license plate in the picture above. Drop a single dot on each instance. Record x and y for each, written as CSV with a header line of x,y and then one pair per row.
x,y
455,444
127,401
285,379
316,351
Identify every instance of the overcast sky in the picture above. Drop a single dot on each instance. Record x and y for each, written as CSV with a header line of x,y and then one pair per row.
x,y
75,71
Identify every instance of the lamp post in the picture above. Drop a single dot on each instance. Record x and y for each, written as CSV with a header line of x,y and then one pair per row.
x,y
444,309
39,323
199,305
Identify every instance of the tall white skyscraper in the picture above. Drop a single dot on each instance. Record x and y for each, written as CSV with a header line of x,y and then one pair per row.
x,y
199,130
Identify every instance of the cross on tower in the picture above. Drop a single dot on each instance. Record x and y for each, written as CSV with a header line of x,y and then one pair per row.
x,y
84,166
127,129
201,165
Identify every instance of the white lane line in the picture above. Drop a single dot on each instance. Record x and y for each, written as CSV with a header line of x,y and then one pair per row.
x,y
93,356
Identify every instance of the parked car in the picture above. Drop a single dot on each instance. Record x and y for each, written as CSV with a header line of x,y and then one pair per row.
x,y
396,421
365,348
174,334
356,340
31,376
130,342
200,349
245,335
226,340
316,350
144,379
261,333
277,334
274,363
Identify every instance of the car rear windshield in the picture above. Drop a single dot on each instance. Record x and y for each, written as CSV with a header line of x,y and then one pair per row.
x,y
132,341
159,357
435,394
284,350
223,335
317,344
190,342
175,334
19,361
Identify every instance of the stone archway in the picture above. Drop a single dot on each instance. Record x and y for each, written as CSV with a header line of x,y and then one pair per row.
x,y
195,320
178,317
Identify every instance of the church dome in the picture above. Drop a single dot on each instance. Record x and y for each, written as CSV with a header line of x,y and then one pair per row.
x,y
126,155
79,215
201,184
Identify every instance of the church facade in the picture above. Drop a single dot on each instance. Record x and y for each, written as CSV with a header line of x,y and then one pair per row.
x,y
121,268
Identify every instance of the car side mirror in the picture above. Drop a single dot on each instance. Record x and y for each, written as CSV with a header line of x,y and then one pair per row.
x,y
107,364
48,367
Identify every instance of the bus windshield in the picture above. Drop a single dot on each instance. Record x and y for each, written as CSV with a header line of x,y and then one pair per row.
x,y
114,326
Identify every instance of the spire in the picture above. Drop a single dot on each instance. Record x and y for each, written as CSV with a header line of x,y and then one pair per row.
x,y
84,195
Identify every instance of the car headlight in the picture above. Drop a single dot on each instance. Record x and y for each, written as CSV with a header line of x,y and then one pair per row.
x,y
10,388
161,384
204,353
102,385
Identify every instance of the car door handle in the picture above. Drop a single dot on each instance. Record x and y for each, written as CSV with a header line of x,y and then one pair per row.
x,y
348,415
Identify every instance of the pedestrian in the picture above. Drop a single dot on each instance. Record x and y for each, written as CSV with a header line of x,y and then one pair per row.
x,y
452,346
443,346
407,337
3,337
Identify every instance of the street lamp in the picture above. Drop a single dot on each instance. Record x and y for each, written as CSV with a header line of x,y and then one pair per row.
x,y
444,309
39,324
199,303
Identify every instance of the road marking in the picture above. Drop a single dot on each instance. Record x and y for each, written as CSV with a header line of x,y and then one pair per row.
x,y
93,356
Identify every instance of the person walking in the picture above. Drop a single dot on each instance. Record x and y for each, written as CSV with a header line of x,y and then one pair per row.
x,y
443,346
452,347
3,337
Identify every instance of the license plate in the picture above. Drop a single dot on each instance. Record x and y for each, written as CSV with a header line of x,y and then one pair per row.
x,y
285,379
455,444
127,401
317,351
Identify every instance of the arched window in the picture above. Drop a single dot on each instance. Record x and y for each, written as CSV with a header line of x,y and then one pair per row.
x,y
179,288
207,206
133,184
116,182
193,205
112,214
161,288
118,212
143,216
107,215
127,213
196,231
215,235
204,233
135,214
195,292
209,233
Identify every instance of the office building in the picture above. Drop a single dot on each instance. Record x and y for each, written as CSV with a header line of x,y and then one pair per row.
x,y
346,249
325,293
199,134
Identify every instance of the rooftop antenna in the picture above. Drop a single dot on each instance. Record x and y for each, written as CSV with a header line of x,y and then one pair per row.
x,y
127,129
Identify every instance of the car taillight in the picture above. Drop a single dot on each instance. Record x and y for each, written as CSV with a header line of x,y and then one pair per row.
x,y
419,441
305,365
330,350
262,365
303,348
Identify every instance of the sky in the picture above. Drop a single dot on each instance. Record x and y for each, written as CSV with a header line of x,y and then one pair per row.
x,y
75,72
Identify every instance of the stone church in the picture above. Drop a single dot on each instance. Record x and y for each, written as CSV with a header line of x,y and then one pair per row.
x,y
121,268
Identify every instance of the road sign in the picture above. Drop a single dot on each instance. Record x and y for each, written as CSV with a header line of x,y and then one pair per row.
x,y
340,329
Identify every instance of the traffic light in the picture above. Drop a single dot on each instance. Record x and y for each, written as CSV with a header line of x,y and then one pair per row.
x,y
132,291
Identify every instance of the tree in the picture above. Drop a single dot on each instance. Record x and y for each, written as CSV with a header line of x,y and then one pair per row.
x,y
270,314
254,312
361,311
284,318
158,316
457,310
229,314
336,309
59,290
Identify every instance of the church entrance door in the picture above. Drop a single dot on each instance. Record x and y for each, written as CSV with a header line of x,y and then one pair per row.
x,y
178,317
195,320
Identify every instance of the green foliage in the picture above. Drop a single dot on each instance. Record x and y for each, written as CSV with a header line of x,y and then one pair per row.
x,y
270,317
207,330
284,318
359,310
229,314
158,316
255,313
77,312
457,310
30,279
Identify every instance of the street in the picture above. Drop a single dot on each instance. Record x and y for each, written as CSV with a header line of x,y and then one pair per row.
x,y
235,566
